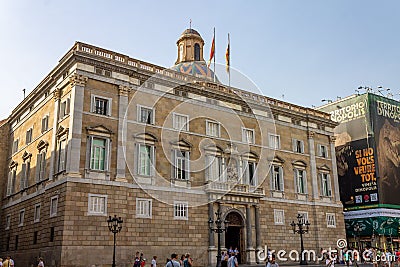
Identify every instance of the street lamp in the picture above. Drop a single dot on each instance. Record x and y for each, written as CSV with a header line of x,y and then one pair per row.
x,y
302,228
115,226
218,229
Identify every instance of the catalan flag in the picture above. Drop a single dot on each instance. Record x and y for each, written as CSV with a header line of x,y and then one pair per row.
x,y
228,56
212,51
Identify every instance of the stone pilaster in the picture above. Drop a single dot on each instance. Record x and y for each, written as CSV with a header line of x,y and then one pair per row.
x,y
313,165
212,250
123,101
335,177
78,83
57,100
258,230
250,252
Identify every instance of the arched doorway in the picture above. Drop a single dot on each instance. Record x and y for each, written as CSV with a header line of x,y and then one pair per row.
x,y
234,237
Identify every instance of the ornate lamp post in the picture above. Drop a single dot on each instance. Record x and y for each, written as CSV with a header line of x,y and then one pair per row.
x,y
302,228
218,229
115,226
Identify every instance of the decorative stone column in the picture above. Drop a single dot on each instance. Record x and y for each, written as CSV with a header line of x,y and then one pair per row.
x,y
212,250
250,251
57,101
313,165
123,101
77,83
332,140
258,231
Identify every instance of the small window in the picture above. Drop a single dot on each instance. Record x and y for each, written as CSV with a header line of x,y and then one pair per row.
x,y
101,105
16,242
143,208
28,138
304,217
64,108
274,141
52,234
301,181
15,146
212,128
97,204
323,151
35,237
21,217
248,136
180,210
279,217
181,166
8,222
330,220
298,146
36,216
41,166
53,206
12,175
103,72
277,178
45,123
196,52
180,122
145,115
61,155
25,174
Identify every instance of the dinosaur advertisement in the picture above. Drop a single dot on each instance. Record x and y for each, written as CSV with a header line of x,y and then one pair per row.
x,y
386,116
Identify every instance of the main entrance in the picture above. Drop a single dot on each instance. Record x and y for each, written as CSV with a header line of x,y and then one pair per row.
x,y
234,238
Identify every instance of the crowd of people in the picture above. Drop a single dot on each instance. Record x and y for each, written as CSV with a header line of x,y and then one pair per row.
x,y
9,262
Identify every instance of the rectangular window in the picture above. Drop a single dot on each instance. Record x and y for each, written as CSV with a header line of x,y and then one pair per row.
x,y
214,168
212,128
145,160
52,234
301,181
64,108
61,155
279,217
277,178
16,242
15,146
304,217
35,237
8,222
180,210
25,173
326,190
98,152
101,105
143,208
146,115
45,123
41,166
97,204
323,151
248,136
274,141
21,217
298,146
53,206
36,216
330,220
12,174
28,138
180,122
181,167
249,173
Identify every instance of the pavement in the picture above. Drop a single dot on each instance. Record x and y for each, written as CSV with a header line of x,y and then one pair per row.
x,y
296,264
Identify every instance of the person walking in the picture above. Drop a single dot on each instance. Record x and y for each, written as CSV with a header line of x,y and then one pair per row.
x,y
174,261
154,261
41,263
233,262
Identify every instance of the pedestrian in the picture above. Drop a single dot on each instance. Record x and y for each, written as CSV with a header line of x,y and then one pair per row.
x,y
1,262
272,263
136,262
6,263
329,261
174,261
233,262
224,259
11,261
41,263
187,262
142,260
154,261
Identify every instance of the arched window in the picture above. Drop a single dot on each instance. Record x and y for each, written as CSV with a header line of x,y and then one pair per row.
x,y
197,52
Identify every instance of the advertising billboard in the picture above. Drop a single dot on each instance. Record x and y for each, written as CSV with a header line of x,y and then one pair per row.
x,y
385,114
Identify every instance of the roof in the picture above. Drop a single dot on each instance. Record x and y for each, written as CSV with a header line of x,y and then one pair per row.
x,y
190,31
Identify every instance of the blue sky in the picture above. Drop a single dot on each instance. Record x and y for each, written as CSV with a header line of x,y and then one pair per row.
x,y
301,51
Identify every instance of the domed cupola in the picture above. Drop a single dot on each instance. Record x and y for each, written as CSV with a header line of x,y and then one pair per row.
x,y
190,55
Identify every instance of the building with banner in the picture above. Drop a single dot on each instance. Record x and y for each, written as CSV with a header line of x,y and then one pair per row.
x,y
104,133
368,161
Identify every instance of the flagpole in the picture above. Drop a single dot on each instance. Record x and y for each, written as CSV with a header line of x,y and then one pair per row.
x,y
214,54
229,66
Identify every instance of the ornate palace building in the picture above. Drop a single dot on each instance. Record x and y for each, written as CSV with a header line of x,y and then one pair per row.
x,y
164,149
